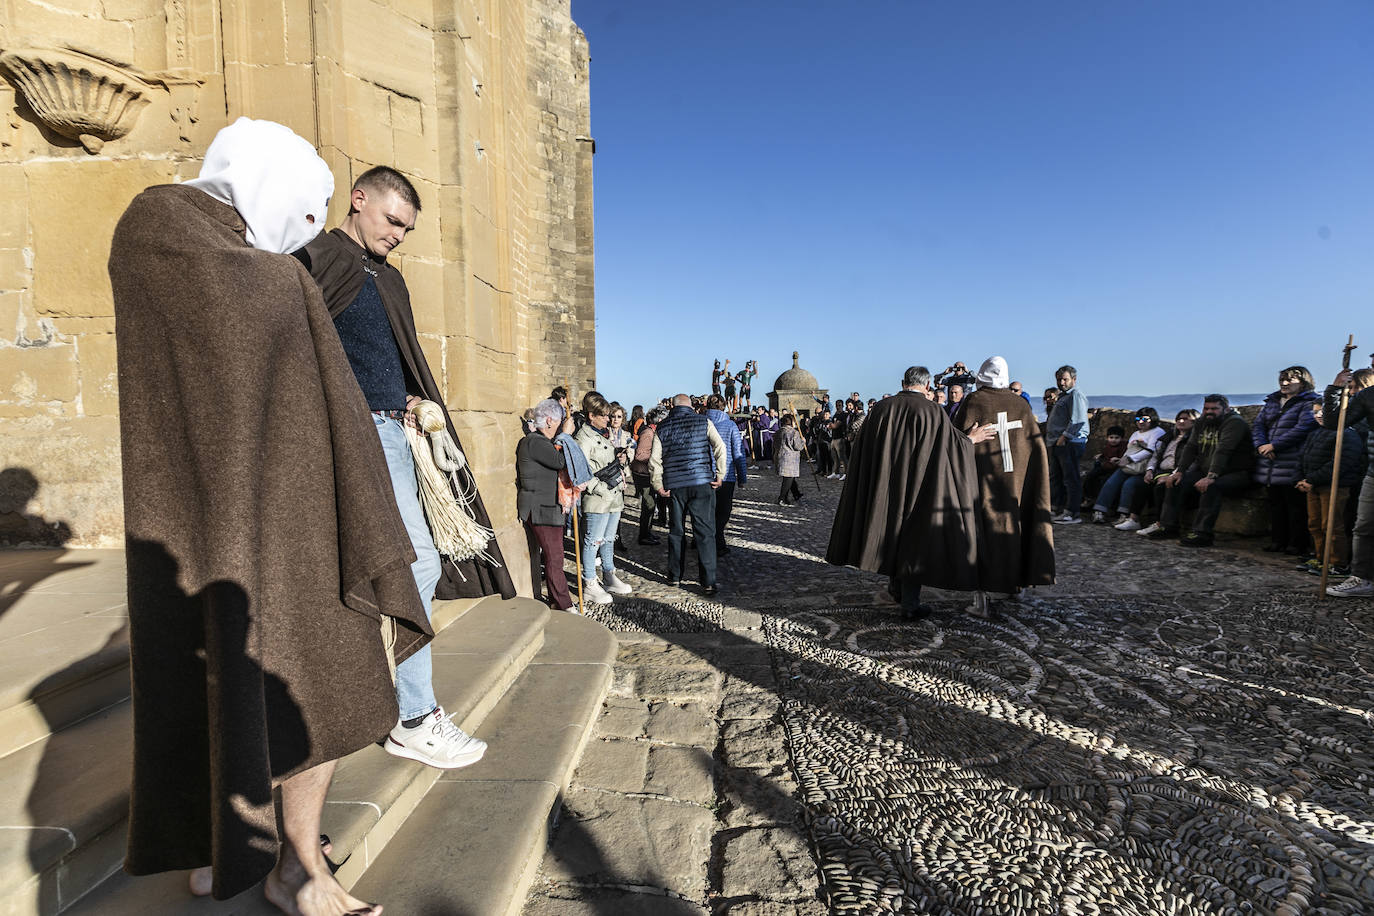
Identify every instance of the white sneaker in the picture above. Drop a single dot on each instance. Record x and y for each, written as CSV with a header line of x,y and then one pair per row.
x,y
1056,516
1129,524
1099,518
1148,530
436,742
1067,519
593,593
1354,587
615,586
841,477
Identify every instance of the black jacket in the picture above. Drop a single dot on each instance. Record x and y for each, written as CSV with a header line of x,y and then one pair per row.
x,y
1361,408
1319,451
537,463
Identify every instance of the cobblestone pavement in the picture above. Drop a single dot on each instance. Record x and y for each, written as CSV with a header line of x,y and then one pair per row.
x,y
1163,731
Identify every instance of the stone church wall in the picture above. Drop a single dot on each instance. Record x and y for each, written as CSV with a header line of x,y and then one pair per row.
x,y
484,104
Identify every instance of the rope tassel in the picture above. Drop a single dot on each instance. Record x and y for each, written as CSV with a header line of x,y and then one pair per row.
x,y
447,500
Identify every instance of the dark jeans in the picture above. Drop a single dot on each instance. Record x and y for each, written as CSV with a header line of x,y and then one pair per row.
x,y
1070,492
1208,504
824,466
700,502
1287,517
789,486
547,541
725,502
648,503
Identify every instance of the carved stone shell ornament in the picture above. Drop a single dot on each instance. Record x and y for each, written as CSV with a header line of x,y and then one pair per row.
x,y
77,96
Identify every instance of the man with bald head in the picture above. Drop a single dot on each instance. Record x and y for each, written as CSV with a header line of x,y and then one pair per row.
x,y
688,463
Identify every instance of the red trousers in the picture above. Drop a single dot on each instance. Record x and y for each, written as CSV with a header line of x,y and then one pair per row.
x,y
546,541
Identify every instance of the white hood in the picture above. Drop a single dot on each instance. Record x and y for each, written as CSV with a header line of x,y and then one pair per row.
x,y
273,178
993,373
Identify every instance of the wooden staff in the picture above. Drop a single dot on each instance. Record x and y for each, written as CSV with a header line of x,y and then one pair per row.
x,y
577,539
1336,469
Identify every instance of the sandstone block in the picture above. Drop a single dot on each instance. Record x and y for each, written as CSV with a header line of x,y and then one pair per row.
x,y
684,773
298,31
773,863
760,797
623,717
99,375
425,280
14,206
570,901
484,376
618,840
367,133
14,270
614,765
388,49
680,684
689,723
660,653
282,92
754,743
38,380
79,25
744,700
771,908
70,274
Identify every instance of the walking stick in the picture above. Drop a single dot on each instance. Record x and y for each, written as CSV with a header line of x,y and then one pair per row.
x,y
1335,470
577,539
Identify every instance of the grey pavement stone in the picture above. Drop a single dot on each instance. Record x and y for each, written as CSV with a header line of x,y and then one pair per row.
x,y
641,841
616,765
624,682
759,797
682,684
661,653
744,700
772,863
685,773
736,619
623,717
607,902
689,723
768,908
753,743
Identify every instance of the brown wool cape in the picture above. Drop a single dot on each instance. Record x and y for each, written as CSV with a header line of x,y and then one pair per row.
x,y
336,262
263,544
909,505
1018,540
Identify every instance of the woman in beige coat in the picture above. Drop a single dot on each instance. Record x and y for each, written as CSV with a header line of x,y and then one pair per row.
x,y
602,502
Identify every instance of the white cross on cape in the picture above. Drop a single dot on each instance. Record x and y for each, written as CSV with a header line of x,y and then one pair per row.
x,y
1003,427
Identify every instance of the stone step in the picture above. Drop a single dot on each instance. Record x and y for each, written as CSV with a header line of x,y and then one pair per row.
x,y
66,817
64,639
474,844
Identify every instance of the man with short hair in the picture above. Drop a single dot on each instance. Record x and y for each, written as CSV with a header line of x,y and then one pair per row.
x,y
736,469
909,506
1216,461
688,463
370,305
1067,430
1017,389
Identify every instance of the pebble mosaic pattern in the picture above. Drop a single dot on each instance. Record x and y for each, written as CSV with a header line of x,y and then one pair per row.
x,y
1087,756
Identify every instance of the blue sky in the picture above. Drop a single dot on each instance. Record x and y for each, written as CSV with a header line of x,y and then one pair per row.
x,y
1171,196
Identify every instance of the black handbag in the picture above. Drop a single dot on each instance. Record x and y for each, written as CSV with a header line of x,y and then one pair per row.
x,y
612,475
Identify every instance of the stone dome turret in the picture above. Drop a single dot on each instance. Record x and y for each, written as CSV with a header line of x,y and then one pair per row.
x,y
796,378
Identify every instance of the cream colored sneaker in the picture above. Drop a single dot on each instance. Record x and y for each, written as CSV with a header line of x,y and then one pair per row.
x,y
593,593
615,586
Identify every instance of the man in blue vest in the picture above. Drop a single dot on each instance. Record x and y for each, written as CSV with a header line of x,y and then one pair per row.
x,y
688,463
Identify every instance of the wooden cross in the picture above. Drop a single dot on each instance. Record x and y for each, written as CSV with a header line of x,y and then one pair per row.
x,y
1003,427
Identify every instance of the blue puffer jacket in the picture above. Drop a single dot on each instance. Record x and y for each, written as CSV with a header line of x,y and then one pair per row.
x,y
1284,426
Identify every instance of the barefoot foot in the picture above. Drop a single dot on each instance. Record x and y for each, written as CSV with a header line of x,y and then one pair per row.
x,y
202,880
295,893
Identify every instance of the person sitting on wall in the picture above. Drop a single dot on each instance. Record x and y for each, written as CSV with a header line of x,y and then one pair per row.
x,y
1158,476
1216,461
1104,465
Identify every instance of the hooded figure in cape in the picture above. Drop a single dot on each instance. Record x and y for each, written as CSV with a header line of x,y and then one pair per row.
x,y
1017,547
909,505
265,556
341,266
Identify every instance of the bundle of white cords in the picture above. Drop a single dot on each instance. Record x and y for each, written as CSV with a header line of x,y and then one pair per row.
x,y
446,497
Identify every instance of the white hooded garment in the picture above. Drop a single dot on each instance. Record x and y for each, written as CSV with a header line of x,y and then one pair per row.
x,y
993,373
273,178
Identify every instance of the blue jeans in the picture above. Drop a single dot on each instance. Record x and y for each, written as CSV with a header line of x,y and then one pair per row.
x,y
1118,493
1067,457
598,540
415,675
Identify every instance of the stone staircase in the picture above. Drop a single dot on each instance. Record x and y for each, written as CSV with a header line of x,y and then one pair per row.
x,y
529,681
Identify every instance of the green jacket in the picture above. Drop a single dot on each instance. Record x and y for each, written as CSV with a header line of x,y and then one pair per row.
x,y
1219,449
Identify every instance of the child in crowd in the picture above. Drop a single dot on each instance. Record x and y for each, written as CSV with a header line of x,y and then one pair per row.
x,y
1315,466
1105,464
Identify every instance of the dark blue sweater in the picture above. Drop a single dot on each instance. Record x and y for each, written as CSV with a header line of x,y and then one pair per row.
x,y
365,332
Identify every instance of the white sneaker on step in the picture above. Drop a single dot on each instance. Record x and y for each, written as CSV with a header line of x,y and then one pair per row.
x,y
436,742
615,586
1148,529
1129,524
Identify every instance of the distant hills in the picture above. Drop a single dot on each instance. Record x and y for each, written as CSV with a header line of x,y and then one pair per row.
x,y
1168,405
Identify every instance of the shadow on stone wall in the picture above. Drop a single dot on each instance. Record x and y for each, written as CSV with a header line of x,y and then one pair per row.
x,y
19,528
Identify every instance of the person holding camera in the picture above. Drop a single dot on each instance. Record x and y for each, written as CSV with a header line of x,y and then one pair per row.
x,y
602,502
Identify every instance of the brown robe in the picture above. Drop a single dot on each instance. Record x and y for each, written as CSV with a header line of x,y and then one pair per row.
x,y
1018,539
336,261
909,502
263,546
